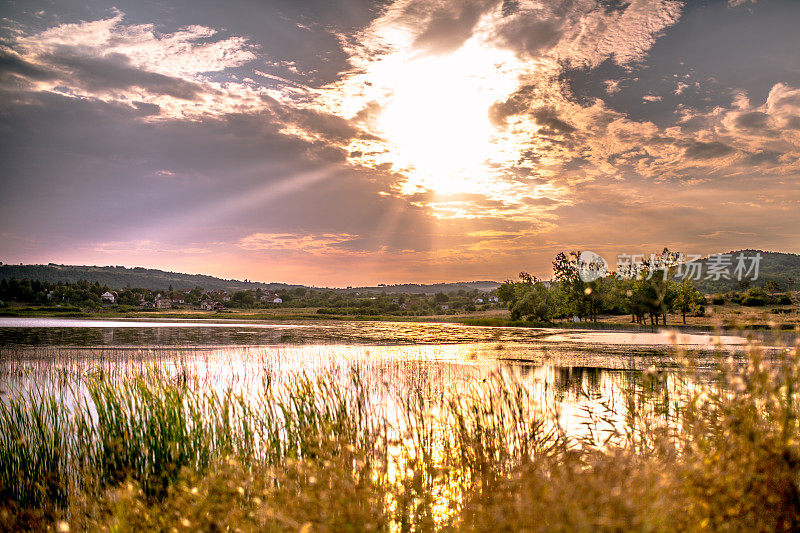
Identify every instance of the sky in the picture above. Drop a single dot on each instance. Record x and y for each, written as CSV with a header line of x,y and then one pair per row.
x,y
357,142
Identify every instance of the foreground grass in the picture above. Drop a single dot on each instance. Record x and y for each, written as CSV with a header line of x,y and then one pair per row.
x,y
151,451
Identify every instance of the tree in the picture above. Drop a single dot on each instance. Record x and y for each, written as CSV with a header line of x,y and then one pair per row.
x,y
687,298
535,304
573,297
243,299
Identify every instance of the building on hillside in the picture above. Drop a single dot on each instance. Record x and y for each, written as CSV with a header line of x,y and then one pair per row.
x,y
276,300
207,305
478,300
163,303
108,298
178,299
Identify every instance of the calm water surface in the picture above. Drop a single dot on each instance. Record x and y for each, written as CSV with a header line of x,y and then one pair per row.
x,y
573,371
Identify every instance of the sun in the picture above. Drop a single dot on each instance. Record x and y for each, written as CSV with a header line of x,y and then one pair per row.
x,y
436,116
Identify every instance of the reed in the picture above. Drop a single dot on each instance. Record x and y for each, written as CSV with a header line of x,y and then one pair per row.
x,y
151,449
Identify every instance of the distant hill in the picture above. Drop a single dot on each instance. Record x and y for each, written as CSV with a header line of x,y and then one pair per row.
x,y
415,288
117,277
782,268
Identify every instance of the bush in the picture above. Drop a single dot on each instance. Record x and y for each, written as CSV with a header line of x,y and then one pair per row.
x,y
755,297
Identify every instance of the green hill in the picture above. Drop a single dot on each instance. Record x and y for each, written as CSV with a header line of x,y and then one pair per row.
x,y
782,268
118,277
432,288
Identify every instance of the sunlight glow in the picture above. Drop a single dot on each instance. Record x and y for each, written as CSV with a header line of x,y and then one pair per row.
x,y
425,115
436,120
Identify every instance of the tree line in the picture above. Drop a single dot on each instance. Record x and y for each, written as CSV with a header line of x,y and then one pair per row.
x,y
646,291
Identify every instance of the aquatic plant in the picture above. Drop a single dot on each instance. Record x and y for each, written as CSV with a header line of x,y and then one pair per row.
x,y
150,449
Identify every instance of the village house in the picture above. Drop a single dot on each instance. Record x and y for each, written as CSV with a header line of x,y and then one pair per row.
x,y
478,300
163,303
108,298
221,295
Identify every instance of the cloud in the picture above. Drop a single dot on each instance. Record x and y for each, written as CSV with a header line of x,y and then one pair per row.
x,y
112,61
446,141
281,242
425,78
448,24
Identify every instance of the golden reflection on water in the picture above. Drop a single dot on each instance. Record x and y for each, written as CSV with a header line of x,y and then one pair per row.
x,y
580,388
586,381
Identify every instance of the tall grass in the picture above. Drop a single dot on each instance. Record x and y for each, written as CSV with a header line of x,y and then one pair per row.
x,y
151,450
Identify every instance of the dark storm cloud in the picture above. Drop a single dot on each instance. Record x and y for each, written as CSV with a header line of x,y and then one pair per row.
x,y
754,120
112,72
551,124
517,104
531,36
706,150
448,27
14,68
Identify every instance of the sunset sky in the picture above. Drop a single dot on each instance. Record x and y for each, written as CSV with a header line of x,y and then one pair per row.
x,y
356,142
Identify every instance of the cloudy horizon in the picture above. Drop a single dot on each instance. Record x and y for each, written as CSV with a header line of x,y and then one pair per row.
x,y
395,141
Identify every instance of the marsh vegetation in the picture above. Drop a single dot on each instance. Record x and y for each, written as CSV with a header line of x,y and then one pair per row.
x,y
143,440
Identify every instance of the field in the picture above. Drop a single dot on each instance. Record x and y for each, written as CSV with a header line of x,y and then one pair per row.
x,y
728,316
144,447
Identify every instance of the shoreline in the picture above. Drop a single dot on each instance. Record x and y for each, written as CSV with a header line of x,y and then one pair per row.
x,y
253,315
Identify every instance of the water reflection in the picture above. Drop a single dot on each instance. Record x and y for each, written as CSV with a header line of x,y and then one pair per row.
x,y
575,374
390,373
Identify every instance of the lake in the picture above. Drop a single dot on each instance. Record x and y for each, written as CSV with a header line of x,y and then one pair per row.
x,y
575,372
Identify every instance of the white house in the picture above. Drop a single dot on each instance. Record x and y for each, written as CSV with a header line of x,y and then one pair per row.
x,y
107,297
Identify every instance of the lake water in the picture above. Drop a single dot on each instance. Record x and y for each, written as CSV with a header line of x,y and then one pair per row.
x,y
572,371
